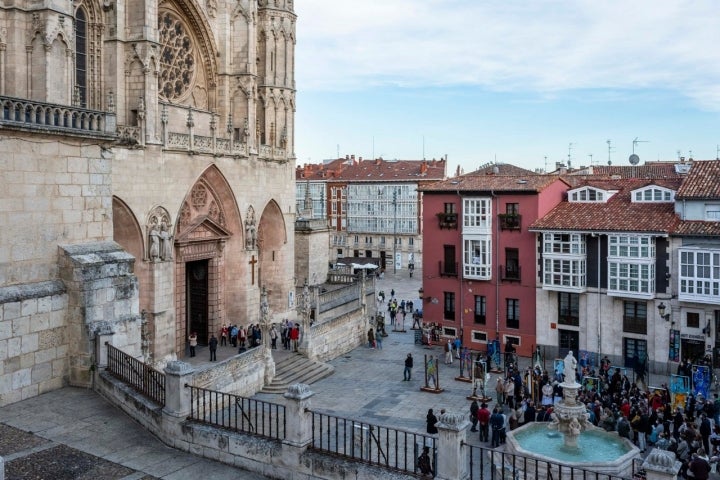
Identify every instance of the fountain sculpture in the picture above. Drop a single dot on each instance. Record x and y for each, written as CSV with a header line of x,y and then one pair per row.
x,y
570,417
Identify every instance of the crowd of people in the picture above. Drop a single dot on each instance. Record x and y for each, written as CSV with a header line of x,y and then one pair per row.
x,y
645,416
242,338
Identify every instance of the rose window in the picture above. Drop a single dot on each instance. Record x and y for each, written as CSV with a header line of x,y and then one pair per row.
x,y
177,60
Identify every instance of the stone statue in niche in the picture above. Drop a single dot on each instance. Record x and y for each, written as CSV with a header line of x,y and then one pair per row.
x,y
166,248
250,230
154,243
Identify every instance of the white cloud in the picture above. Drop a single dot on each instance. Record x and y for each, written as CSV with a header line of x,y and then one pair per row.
x,y
512,45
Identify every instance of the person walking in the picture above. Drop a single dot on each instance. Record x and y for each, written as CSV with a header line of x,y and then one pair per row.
x,y
500,391
448,352
371,338
273,337
474,408
213,348
193,343
223,335
378,340
407,374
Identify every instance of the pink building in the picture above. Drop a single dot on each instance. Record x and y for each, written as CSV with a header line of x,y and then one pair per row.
x,y
479,267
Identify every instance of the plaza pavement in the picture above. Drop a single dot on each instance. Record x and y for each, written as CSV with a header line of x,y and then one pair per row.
x,y
73,433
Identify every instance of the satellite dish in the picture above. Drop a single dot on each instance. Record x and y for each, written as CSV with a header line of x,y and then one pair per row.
x,y
634,159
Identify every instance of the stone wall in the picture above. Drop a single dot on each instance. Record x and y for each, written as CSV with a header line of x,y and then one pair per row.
x,y
338,336
242,374
53,193
33,340
102,294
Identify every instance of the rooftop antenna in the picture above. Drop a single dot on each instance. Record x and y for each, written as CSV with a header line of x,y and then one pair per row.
x,y
690,154
423,147
570,149
373,143
338,151
546,162
717,152
635,159
679,154
610,150
591,159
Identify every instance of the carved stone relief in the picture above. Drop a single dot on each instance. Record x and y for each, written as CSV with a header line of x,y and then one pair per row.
x,y
159,228
250,229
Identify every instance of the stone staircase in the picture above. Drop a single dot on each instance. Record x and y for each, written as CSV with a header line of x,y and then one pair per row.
x,y
296,369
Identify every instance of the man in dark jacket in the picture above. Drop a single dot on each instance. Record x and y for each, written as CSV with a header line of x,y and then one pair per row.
x,y
474,408
497,423
408,367
705,431
529,415
213,348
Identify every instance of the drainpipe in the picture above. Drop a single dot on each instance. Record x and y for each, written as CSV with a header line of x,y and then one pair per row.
x,y
599,298
497,256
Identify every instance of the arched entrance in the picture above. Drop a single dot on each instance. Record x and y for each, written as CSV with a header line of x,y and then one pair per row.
x,y
208,217
272,236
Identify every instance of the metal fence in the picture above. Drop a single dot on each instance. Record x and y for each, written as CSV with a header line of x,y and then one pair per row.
x,y
138,375
390,448
490,464
236,413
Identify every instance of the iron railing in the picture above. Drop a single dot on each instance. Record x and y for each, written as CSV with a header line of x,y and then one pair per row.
x,y
390,448
236,413
137,374
489,464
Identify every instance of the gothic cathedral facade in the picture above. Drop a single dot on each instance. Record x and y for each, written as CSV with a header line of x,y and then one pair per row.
x,y
147,164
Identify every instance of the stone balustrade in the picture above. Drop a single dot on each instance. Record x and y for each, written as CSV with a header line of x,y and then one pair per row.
x,y
54,118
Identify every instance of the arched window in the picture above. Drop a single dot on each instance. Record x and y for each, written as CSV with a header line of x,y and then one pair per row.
x,y
81,56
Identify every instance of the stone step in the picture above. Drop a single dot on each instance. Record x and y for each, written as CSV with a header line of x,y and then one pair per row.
x,y
297,369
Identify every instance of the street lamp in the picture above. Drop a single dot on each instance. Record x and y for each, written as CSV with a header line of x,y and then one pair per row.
x,y
662,309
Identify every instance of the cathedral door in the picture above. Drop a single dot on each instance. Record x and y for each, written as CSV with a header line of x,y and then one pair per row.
x,y
197,299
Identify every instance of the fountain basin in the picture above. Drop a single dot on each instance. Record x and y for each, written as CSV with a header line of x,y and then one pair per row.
x,y
597,451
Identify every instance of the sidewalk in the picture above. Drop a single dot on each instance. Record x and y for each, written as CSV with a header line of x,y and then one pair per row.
x,y
73,433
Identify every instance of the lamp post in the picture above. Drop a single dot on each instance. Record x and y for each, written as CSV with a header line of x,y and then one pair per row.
x,y
662,309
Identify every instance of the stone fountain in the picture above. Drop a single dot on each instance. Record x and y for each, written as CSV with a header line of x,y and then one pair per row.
x,y
583,447
570,418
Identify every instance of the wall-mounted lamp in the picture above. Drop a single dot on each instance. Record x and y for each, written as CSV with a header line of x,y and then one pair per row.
x,y
662,309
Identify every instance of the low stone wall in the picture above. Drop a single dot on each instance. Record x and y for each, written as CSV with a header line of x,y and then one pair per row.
x,y
338,336
243,374
33,340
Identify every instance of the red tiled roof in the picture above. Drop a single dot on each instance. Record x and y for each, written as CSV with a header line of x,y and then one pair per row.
x,y
496,183
647,170
617,214
698,228
502,169
379,170
703,181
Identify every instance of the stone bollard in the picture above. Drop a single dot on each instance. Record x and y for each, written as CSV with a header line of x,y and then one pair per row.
x,y
177,397
298,424
661,465
452,459
103,336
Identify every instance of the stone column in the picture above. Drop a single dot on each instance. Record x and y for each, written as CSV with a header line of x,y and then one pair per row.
x,y
452,435
661,465
177,397
298,424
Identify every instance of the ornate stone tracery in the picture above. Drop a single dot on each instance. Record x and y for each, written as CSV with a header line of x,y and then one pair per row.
x,y
177,59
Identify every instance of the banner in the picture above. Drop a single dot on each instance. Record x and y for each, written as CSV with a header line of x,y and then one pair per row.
x,y
701,380
679,390
674,349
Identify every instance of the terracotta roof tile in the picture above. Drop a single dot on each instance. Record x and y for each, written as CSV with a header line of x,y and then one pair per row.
x,y
617,214
351,170
698,228
497,183
502,169
703,181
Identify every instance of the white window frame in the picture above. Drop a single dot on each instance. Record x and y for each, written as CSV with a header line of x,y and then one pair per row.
x,y
699,275
478,336
653,194
631,266
712,212
588,195
477,215
564,262
477,267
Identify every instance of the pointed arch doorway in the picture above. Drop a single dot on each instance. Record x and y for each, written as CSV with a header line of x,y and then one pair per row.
x,y
196,299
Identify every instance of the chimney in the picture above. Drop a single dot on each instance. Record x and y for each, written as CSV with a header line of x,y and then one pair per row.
x,y
377,161
423,167
347,157
359,159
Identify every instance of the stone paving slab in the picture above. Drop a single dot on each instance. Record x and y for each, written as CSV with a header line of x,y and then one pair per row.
x,y
13,440
64,463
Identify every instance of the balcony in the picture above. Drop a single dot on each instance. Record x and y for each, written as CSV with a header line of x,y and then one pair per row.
x,y
53,118
447,220
509,221
510,273
448,269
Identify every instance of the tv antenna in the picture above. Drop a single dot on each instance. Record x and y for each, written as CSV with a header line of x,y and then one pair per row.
x,y
570,149
591,159
610,150
635,159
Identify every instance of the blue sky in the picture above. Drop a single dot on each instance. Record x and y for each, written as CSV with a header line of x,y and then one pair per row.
x,y
512,81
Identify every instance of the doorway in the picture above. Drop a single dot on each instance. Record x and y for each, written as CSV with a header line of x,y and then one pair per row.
x,y
693,350
569,340
197,299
